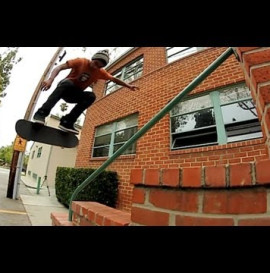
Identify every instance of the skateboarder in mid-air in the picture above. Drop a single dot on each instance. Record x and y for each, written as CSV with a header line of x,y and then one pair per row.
x,y
83,73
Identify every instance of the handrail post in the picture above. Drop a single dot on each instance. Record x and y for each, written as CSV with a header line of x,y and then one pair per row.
x,y
213,66
38,185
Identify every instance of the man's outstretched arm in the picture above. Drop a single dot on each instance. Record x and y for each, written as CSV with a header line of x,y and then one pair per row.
x,y
122,83
47,84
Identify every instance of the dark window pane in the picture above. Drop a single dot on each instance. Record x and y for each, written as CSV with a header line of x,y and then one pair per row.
x,y
130,150
102,140
99,152
195,138
243,130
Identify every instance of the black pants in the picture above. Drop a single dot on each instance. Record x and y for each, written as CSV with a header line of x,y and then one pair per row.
x,y
70,93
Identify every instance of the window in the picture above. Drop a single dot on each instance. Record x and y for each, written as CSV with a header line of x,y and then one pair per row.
x,y
33,154
39,152
218,117
110,137
128,73
175,53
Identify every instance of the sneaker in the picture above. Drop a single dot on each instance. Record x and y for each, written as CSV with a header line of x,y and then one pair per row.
x,y
69,127
38,118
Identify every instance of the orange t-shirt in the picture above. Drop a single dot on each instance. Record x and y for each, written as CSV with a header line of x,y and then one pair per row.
x,y
83,75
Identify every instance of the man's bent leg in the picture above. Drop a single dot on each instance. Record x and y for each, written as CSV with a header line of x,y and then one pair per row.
x,y
85,100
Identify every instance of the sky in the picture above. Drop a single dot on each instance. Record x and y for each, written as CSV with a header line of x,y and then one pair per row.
x,y
24,79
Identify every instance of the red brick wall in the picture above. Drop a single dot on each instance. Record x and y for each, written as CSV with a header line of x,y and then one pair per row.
x,y
222,176
220,195
160,83
190,207
255,62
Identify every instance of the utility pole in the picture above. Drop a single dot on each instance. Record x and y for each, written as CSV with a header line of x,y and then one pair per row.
x,y
17,158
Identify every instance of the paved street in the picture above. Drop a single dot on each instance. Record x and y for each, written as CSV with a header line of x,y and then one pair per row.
x,y
31,209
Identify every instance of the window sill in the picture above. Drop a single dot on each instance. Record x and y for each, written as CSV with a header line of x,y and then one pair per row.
x,y
106,158
218,147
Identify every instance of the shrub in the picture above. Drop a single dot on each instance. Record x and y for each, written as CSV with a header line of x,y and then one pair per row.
x,y
103,189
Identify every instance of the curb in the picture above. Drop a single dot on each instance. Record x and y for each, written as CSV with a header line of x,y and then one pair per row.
x,y
28,186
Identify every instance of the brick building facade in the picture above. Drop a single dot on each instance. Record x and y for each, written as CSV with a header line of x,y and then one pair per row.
x,y
170,178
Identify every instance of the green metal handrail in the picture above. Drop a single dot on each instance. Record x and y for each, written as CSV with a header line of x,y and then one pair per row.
x,y
224,56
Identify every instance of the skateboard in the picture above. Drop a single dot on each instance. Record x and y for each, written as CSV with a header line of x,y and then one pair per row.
x,y
41,133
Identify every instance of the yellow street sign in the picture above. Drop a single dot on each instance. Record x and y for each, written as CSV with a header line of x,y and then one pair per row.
x,y
19,144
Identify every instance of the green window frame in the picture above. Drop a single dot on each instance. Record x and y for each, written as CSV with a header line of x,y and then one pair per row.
x,y
130,72
111,136
218,117
176,53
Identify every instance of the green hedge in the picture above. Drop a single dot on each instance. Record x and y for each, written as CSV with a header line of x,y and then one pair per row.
x,y
103,189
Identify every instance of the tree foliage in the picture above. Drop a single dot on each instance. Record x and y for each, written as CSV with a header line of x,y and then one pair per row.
x,y
25,161
8,58
6,154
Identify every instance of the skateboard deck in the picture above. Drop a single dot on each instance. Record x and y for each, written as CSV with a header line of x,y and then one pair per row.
x,y
41,133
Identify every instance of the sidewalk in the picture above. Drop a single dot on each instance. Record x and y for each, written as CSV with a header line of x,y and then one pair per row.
x,y
40,206
12,212
30,208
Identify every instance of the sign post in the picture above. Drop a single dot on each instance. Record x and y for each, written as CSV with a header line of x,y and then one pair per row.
x,y
17,158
